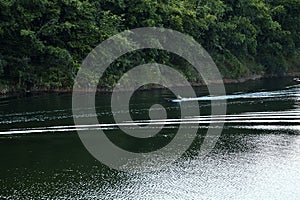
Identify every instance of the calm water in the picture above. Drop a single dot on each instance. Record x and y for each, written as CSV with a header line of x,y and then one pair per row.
x,y
257,156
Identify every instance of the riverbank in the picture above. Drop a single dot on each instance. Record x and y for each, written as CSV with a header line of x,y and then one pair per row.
x,y
6,90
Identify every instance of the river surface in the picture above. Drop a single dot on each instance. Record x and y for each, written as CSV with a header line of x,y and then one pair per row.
x,y
256,157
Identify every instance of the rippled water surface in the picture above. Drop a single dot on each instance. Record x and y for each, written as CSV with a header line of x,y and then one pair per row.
x,y
256,157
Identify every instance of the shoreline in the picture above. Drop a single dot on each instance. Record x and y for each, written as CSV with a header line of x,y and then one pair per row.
x,y
6,92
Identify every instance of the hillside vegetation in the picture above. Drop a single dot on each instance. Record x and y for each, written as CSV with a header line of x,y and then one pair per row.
x,y
43,42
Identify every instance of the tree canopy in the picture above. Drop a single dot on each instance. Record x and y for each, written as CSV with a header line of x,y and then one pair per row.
x,y
43,42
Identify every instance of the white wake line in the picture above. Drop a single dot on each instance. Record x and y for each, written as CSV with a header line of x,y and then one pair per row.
x,y
269,127
230,97
282,113
136,125
220,118
266,115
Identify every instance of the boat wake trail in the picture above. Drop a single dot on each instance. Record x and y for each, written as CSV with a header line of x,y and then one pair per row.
x,y
290,91
289,120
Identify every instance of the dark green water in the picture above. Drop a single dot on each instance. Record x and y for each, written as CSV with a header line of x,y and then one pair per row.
x,y
256,157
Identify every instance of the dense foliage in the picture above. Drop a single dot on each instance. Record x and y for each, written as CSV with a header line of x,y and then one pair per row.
x,y
43,42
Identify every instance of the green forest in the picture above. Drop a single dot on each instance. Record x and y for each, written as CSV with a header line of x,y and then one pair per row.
x,y
43,42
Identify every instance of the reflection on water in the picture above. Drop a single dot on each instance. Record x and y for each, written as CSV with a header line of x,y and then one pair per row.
x,y
257,156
